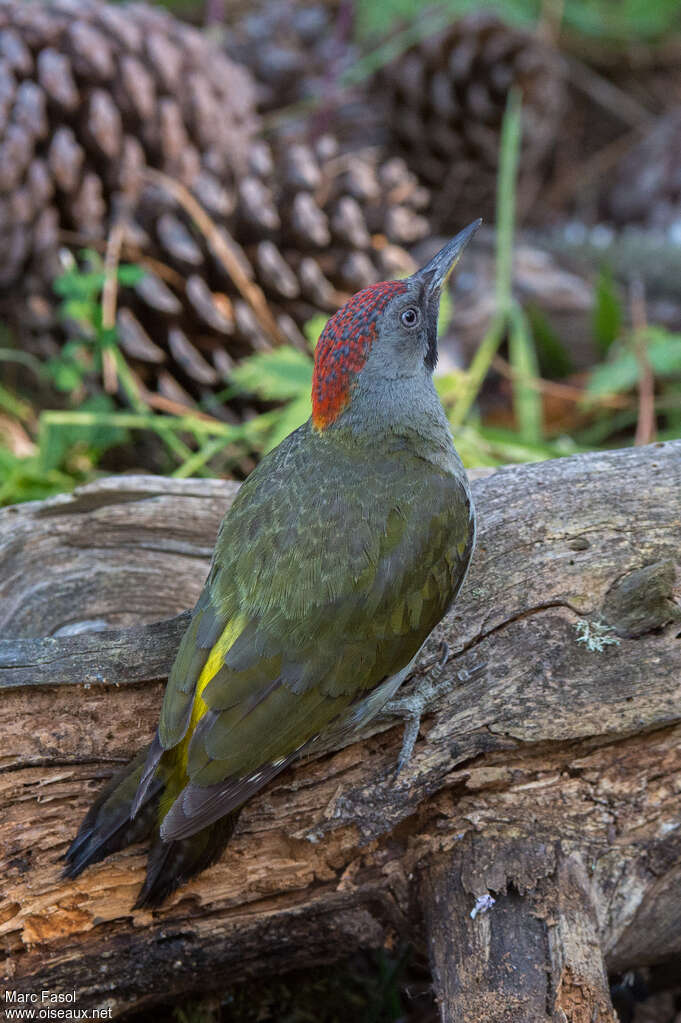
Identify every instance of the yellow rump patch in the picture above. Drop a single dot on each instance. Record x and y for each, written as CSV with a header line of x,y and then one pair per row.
x,y
216,658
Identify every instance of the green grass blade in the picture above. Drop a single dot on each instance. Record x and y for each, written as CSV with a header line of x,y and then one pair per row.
x,y
477,372
526,398
511,132
508,166
197,460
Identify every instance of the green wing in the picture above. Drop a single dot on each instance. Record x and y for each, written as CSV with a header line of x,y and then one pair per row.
x,y
319,590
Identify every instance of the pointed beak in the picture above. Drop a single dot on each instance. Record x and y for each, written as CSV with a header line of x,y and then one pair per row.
x,y
436,273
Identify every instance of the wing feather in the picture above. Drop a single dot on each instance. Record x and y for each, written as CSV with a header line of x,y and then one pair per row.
x,y
302,614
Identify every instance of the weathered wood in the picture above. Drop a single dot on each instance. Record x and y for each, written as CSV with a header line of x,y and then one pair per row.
x,y
119,657
492,967
557,747
122,551
531,955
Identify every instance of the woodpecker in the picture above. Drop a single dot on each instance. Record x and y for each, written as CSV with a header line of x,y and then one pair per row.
x,y
342,551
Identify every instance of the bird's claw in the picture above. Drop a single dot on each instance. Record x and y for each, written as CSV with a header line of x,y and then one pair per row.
x,y
412,707
467,674
411,734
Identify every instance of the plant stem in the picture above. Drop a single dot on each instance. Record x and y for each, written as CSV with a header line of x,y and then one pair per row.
x,y
478,371
511,131
508,164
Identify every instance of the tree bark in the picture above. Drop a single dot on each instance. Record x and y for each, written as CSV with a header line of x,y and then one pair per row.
x,y
530,955
550,780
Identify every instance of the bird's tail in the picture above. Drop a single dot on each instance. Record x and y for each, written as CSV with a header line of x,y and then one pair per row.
x,y
171,864
108,827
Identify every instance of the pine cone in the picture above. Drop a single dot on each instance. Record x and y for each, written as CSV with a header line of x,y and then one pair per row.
x,y
646,186
298,53
90,94
310,227
446,98
93,99
292,50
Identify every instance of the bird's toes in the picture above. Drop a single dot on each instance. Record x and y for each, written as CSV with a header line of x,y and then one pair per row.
x,y
411,732
467,674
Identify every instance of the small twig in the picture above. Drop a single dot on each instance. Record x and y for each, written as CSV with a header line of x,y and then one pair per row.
x,y
110,290
570,181
646,425
569,392
331,87
132,252
109,299
607,95
175,408
224,249
15,437
550,20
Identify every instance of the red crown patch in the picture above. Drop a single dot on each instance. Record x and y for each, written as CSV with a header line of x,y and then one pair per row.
x,y
344,347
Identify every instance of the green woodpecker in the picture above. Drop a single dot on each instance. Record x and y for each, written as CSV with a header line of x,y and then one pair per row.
x,y
342,551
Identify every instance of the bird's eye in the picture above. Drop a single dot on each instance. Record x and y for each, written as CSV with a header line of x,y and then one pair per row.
x,y
410,316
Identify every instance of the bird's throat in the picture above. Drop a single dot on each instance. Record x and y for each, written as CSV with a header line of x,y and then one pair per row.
x,y
407,416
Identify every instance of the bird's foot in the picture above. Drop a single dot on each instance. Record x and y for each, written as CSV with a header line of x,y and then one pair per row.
x,y
412,707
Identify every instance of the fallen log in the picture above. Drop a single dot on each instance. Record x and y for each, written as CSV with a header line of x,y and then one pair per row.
x,y
549,781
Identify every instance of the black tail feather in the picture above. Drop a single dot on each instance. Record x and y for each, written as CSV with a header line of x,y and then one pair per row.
x,y
151,762
107,826
171,864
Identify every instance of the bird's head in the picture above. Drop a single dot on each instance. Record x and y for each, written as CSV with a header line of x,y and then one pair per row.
x,y
385,332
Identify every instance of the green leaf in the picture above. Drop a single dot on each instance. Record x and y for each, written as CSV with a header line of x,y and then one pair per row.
x,y
606,424
293,415
130,274
377,19
68,369
509,440
473,380
553,357
607,316
614,377
57,442
25,479
504,446
82,310
633,20
67,376
17,407
275,376
314,327
664,351
78,284
621,373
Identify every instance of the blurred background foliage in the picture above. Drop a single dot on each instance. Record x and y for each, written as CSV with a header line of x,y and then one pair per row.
x,y
127,350
609,20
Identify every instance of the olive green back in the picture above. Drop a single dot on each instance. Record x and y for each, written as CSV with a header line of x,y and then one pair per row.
x,y
330,570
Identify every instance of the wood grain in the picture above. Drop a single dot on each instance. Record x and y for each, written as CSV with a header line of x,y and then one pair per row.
x,y
551,779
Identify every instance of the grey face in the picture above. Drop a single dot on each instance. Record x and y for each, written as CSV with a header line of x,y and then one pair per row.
x,y
408,332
